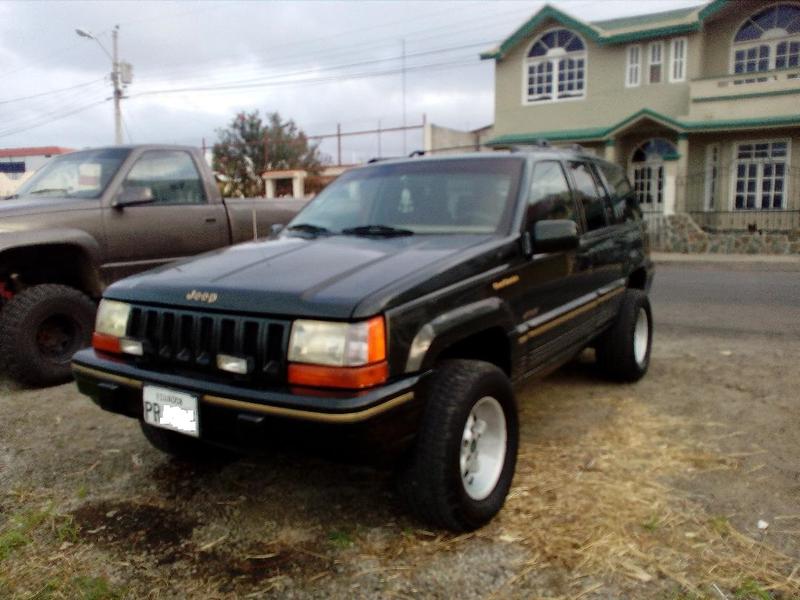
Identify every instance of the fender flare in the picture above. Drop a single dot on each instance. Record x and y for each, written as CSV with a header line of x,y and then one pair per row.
x,y
454,326
88,247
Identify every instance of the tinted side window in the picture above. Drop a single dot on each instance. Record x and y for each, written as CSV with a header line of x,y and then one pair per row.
x,y
624,202
550,197
171,175
589,195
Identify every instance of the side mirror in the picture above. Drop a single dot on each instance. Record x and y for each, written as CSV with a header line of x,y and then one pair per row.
x,y
276,228
133,196
555,236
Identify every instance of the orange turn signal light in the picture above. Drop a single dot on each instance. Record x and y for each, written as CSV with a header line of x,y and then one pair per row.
x,y
105,343
376,340
339,377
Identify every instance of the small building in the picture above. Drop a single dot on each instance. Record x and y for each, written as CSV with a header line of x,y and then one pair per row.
x,y
15,162
700,104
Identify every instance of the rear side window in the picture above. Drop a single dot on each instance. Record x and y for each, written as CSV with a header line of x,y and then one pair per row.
x,y
550,197
622,198
589,195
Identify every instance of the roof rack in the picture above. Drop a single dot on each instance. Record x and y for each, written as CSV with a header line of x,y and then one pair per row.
x,y
540,143
417,153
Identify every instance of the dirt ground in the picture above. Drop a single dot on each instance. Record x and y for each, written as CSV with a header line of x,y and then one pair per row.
x,y
653,490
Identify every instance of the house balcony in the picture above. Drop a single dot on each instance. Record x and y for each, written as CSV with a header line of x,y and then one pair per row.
x,y
745,96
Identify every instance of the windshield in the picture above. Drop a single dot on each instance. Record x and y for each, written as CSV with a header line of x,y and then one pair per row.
x,y
75,175
453,196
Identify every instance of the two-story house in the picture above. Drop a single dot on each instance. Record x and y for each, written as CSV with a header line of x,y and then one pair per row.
x,y
701,104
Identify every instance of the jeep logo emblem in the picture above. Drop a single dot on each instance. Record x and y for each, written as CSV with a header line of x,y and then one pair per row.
x,y
207,297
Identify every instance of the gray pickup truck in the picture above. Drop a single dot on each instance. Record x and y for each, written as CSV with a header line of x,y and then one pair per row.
x,y
91,217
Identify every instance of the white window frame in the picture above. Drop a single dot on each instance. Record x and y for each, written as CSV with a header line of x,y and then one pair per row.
x,y
651,63
554,60
712,178
633,68
678,62
763,41
787,160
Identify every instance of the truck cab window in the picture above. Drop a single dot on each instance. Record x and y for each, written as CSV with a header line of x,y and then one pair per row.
x,y
589,195
171,176
550,197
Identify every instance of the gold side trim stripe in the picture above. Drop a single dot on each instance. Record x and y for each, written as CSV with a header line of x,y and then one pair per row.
x,y
307,415
545,327
107,376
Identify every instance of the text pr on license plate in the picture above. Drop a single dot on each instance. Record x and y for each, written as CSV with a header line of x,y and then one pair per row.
x,y
171,409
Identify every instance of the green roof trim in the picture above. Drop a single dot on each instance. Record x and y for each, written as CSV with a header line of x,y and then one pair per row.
x,y
743,96
646,19
598,134
547,12
642,27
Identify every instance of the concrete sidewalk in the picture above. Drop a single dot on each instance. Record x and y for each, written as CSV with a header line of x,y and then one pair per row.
x,y
787,261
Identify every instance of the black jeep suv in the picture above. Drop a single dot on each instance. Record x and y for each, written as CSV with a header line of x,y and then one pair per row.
x,y
402,302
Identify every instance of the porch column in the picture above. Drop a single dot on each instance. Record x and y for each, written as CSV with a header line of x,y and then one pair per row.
x,y
669,190
298,185
682,172
610,151
269,185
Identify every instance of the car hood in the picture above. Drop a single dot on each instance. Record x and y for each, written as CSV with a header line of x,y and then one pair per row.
x,y
338,277
17,207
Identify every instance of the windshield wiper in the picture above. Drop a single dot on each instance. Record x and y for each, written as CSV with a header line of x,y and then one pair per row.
x,y
383,230
48,191
309,228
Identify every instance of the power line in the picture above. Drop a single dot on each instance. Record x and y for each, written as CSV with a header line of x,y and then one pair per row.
x,y
9,132
50,92
340,77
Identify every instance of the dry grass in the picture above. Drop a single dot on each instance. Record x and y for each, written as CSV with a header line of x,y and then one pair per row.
x,y
602,509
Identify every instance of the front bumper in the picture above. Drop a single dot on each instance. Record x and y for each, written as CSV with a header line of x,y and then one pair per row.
x,y
225,409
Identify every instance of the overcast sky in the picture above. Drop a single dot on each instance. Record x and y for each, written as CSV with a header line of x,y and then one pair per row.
x,y
319,63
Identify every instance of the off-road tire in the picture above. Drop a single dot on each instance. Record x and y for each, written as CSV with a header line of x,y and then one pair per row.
x,y
430,481
181,446
616,357
22,355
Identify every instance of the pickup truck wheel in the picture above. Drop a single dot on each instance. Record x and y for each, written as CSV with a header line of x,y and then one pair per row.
x,y
465,453
40,329
179,445
623,352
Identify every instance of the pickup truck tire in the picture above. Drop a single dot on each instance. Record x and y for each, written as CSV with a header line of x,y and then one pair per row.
x,y
623,352
40,329
462,464
179,445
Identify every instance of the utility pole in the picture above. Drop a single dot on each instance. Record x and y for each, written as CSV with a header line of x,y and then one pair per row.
x,y
115,81
121,75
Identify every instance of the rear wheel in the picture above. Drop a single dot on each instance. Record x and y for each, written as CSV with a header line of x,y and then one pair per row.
x,y
465,453
623,352
40,329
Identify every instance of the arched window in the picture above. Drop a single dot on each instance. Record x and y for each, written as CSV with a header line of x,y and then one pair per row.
x,y
647,172
770,39
555,68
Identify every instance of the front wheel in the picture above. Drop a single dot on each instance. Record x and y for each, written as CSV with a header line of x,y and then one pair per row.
x,y
40,329
465,453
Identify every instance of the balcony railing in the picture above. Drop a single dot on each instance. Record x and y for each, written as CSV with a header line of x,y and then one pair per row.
x,y
744,83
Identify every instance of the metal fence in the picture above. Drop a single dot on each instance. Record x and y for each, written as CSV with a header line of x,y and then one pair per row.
x,y
764,197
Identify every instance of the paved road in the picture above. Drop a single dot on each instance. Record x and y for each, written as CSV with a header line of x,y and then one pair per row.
x,y
732,299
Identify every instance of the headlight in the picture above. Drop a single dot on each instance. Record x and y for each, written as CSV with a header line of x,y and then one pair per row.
x,y
112,318
337,344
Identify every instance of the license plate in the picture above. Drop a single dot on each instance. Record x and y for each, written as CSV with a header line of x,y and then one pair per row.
x,y
170,409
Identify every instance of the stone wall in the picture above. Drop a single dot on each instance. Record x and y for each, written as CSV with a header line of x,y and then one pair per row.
x,y
679,233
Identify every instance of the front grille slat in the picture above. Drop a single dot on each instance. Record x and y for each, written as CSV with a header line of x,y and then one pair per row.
x,y
189,341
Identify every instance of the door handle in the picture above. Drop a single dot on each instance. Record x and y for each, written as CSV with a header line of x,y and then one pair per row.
x,y
211,219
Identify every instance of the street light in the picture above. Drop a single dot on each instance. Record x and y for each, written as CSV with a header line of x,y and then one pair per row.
x,y
120,74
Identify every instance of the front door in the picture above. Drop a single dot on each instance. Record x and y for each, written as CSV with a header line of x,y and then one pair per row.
x,y
179,222
647,173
